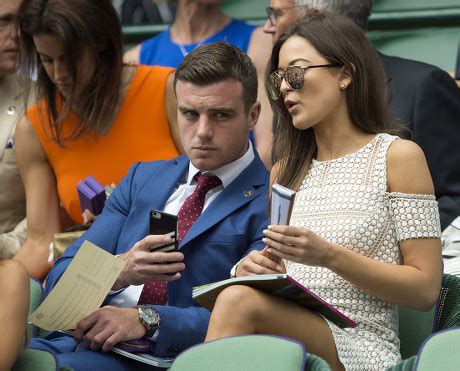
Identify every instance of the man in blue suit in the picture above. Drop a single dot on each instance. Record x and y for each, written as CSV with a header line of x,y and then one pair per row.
x,y
216,91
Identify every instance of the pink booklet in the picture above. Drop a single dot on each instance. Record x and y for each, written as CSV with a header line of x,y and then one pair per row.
x,y
276,284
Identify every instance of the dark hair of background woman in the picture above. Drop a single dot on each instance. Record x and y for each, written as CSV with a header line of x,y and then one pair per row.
x,y
89,26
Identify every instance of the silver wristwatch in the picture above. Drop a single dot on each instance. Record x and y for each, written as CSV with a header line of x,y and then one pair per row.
x,y
150,318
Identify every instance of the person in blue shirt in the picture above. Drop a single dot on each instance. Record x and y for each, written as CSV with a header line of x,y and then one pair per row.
x,y
200,22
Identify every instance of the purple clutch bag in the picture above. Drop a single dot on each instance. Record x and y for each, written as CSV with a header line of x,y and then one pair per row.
x,y
91,194
135,346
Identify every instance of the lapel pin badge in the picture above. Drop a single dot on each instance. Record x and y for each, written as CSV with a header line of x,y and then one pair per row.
x,y
248,193
11,110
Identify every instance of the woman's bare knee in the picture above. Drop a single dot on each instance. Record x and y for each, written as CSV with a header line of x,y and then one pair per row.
x,y
14,271
237,297
235,312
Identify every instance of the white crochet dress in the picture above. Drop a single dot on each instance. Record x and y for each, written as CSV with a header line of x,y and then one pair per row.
x,y
346,202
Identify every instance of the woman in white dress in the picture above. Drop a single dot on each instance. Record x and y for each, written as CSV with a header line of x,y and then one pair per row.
x,y
364,231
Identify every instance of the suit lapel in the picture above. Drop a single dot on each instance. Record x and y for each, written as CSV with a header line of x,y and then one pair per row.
x,y
242,190
161,183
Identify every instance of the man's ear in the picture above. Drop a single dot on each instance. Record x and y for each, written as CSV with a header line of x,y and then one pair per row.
x,y
345,77
253,115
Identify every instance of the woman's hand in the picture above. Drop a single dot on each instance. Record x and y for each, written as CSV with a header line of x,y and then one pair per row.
x,y
259,262
299,245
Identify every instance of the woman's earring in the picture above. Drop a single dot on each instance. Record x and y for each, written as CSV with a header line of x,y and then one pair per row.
x,y
342,86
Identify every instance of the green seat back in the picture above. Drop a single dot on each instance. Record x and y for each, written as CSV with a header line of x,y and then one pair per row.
x,y
404,365
316,363
253,10
406,5
440,352
36,294
35,298
434,45
35,360
252,353
448,307
414,327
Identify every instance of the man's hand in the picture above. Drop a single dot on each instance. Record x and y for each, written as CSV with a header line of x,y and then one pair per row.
x,y
143,266
258,262
107,326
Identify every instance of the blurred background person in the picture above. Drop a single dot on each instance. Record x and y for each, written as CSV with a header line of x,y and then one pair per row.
x,y
95,116
424,98
137,12
200,22
196,22
12,196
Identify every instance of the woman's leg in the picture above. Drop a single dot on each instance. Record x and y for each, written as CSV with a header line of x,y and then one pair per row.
x,y
14,293
241,310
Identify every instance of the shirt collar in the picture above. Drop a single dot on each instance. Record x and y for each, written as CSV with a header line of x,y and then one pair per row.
x,y
226,173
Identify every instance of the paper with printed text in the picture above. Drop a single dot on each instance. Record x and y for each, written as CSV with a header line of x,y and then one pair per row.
x,y
81,289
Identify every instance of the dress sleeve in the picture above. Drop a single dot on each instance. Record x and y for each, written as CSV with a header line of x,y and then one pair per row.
x,y
414,216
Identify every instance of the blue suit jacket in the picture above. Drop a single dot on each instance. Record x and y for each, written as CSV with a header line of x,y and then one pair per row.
x,y
226,231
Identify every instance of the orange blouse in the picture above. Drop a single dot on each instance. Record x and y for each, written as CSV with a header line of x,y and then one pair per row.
x,y
140,132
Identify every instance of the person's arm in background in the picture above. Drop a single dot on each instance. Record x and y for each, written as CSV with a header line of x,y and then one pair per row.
x,y
132,56
11,241
171,112
259,50
43,211
14,291
437,131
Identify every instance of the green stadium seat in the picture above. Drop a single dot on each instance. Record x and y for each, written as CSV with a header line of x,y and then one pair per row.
x,y
251,353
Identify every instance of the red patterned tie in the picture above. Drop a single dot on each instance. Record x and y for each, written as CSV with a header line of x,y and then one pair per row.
x,y
156,292
193,206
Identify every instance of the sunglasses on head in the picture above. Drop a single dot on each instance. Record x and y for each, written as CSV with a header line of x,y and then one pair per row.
x,y
294,76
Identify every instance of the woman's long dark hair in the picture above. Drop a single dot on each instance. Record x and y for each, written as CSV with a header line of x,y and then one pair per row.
x,y
340,41
83,26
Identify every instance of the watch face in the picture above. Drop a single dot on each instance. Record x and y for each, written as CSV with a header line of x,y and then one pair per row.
x,y
150,316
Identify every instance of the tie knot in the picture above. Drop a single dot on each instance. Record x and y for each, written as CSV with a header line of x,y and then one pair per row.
x,y
207,182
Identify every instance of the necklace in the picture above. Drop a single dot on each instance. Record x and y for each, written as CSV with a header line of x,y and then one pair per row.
x,y
184,51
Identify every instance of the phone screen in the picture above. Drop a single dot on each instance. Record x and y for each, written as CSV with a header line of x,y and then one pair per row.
x,y
163,223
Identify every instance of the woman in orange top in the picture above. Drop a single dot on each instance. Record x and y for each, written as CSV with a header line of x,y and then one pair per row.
x,y
95,117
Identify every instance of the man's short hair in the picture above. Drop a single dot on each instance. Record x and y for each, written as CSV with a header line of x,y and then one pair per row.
x,y
358,10
216,62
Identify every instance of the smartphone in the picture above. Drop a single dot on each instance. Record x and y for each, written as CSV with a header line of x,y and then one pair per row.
x,y
164,223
